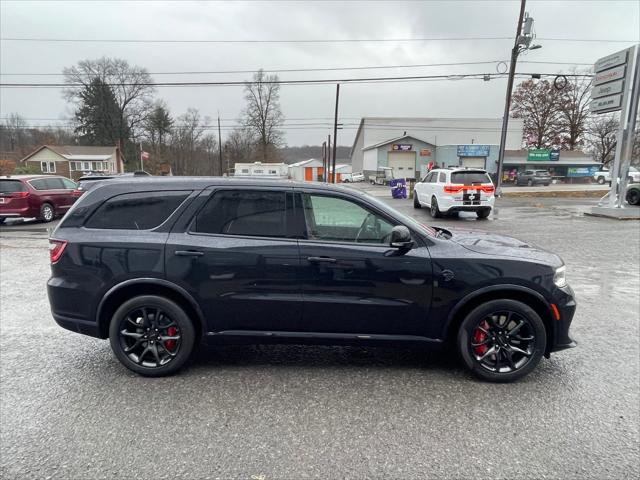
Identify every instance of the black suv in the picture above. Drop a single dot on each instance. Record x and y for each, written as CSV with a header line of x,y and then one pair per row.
x,y
159,264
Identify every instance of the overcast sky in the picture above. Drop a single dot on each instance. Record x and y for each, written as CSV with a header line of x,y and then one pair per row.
x,y
585,20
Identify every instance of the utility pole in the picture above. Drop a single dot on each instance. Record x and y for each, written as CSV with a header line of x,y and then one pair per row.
x,y
220,146
324,161
335,132
328,158
521,44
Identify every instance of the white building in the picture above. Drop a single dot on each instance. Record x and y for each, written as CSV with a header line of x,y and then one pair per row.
x,y
409,145
312,170
259,169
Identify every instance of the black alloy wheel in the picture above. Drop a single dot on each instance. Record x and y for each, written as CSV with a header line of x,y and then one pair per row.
x,y
502,340
151,335
435,211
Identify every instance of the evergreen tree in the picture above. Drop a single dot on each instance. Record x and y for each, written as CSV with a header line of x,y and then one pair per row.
x,y
98,116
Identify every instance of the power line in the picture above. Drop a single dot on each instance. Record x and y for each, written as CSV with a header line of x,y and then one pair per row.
x,y
316,40
450,77
292,70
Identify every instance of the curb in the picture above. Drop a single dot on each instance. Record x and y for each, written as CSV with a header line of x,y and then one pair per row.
x,y
559,193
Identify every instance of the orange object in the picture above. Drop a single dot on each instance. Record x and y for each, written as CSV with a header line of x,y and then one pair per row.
x,y
555,311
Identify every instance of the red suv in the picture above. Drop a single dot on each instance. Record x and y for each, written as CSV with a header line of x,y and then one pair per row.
x,y
39,196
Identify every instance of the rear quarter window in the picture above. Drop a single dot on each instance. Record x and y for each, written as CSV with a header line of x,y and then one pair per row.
x,y
12,186
136,211
468,178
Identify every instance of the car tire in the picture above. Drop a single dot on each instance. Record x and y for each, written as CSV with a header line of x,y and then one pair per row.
x,y
153,357
47,213
600,180
529,183
633,196
434,210
484,213
2,219
480,353
416,200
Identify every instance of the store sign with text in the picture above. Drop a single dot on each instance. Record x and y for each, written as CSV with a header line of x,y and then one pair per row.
x,y
402,147
473,150
543,155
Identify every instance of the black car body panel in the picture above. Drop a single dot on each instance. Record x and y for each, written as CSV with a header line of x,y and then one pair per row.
x,y
294,288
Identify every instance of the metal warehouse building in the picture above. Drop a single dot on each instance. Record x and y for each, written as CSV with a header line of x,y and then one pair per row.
x,y
409,145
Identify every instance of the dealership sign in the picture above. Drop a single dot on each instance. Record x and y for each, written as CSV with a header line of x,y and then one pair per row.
x,y
581,171
543,155
611,74
473,150
404,147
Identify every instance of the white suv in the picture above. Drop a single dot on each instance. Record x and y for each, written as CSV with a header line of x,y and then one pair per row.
x,y
455,190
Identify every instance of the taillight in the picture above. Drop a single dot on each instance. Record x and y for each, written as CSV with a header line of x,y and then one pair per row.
x,y
56,249
488,188
20,194
453,188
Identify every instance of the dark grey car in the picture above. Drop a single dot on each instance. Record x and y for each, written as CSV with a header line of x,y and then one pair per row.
x,y
534,177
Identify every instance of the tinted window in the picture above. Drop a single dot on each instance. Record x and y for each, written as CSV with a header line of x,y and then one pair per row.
x,y
68,184
39,184
468,178
10,186
337,219
433,178
243,212
54,184
136,211
443,177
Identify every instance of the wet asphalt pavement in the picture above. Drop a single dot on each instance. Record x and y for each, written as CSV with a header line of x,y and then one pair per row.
x,y
69,410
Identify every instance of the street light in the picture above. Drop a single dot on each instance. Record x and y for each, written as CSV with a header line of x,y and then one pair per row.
x,y
524,37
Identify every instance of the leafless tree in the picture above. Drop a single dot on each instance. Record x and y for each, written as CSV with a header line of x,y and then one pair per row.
x,y
574,111
538,104
239,146
193,151
131,85
602,137
263,116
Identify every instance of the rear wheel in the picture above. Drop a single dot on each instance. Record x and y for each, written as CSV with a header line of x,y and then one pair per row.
x,y
529,183
151,336
601,180
46,212
416,201
502,340
484,213
435,211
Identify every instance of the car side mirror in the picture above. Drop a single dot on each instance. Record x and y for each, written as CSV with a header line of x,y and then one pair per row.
x,y
401,238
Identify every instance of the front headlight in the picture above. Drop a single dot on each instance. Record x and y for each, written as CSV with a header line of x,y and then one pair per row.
x,y
559,278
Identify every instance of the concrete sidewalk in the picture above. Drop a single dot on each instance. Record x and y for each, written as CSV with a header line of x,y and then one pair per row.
x,y
556,190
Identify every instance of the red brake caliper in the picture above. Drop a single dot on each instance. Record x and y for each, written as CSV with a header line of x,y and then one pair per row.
x,y
478,337
171,344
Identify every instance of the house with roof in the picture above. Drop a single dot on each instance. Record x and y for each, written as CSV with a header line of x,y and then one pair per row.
x,y
74,161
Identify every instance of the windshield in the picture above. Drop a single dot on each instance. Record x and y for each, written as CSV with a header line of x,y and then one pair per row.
x,y
469,178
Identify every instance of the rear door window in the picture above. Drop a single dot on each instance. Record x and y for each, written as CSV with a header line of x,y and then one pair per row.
x,y
443,177
137,211
243,212
469,178
12,186
54,184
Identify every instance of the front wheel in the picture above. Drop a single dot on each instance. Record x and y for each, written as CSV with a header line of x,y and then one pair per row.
x,y
633,197
600,180
502,340
529,183
151,335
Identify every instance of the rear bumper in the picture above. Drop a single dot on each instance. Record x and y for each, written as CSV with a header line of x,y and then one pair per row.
x,y
26,212
449,205
77,325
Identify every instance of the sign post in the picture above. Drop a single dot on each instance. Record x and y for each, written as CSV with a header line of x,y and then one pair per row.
x,y
611,92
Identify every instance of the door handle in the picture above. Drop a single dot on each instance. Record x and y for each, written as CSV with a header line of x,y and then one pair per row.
x,y
321,259
188,253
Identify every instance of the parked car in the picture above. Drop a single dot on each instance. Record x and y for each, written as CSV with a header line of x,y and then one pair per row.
x,y
604,176
633,194
160,264
448,191
533,177
353,177
383,176
36,196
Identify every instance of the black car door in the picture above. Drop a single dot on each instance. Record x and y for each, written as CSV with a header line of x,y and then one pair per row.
x,y
352,281
236,257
